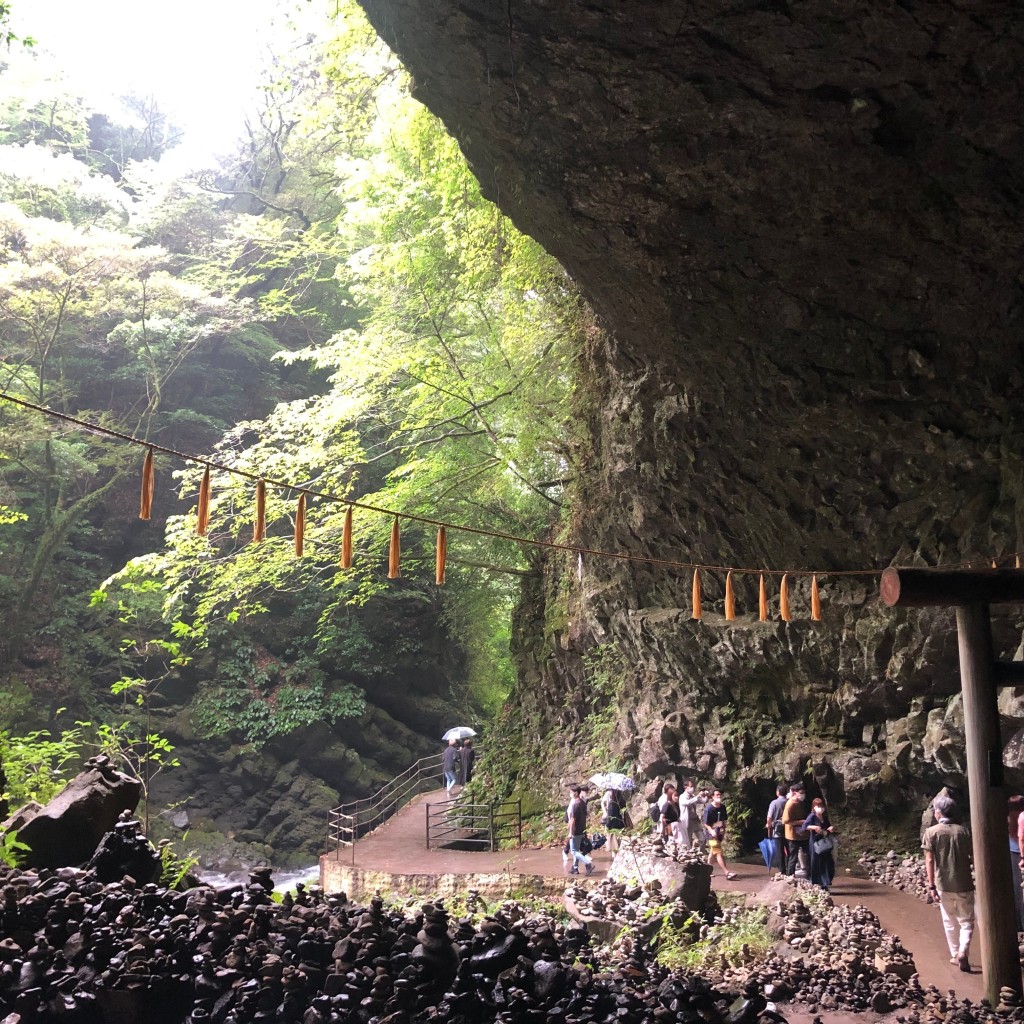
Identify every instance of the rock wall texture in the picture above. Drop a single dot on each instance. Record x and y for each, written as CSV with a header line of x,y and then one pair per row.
x,y
800,228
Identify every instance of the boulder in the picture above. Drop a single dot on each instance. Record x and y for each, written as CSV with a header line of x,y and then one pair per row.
x,y
67,831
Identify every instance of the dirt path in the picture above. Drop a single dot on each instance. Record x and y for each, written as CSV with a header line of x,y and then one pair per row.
x,y
399,846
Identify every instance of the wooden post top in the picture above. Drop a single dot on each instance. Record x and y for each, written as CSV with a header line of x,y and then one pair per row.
x,y
933,588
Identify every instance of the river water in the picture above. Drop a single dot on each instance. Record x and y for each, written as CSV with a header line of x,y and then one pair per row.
x,y
283,880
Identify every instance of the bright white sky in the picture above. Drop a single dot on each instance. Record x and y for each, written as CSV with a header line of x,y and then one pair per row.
x,y
199,58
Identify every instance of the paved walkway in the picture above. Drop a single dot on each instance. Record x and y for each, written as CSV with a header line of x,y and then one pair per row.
x,y
399,846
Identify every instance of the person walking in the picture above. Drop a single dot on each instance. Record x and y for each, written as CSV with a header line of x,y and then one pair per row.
x,y
449,763
715,817
576,816
611,817
467,758
947,863
690,817
818,825
668,811
1014,823
793,827
774,828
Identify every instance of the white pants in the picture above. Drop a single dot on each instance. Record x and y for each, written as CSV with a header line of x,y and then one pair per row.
x,y
958,920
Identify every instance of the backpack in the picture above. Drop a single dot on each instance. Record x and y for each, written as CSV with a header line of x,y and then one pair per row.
x,y
655,813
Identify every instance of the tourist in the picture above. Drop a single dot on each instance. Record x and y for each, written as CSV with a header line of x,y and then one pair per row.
x,y
668,812
793,827
448,764
773,825
715,817
690,817
467,756
576,816
947,862
821,844
1014,826
612,802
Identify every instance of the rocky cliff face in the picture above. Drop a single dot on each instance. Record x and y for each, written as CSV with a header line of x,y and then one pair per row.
x,y
800,228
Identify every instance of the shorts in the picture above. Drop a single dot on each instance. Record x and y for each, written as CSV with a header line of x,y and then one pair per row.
x,y
714,845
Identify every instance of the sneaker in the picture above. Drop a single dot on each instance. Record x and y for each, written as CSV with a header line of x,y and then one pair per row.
x,y
590,869
954,960
965,964
730,875
574,871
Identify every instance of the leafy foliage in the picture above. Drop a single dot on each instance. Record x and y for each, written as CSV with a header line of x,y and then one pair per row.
x,y
36,766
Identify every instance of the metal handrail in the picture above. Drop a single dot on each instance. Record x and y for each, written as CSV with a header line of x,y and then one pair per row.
x,y
347,822
482,824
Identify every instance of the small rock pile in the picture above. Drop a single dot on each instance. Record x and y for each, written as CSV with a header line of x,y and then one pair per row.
x,y
834,957
904,873
661,848
830,956
76,950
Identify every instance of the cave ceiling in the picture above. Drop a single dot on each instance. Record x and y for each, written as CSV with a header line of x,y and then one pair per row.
x,y
799,225
805,219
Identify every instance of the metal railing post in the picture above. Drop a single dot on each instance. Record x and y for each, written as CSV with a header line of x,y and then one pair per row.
x,y
427,808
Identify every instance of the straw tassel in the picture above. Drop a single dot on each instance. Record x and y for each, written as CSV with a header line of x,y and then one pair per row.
x,y
300,525
784,598
730,598
1016,562
994,564
815,600
394,552
346,541
442,555
146,498
696,594
203,512
259,527
762,601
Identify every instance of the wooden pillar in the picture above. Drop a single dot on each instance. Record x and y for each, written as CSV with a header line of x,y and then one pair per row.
x,y
994,903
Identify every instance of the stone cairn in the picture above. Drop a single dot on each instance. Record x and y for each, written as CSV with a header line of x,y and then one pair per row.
x,y
905,873
80,951
77,950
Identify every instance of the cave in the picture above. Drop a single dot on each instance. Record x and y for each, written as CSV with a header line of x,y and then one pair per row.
x,y
799,228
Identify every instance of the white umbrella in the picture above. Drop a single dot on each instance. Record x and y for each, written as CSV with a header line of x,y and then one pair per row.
x,y
613,780
460,732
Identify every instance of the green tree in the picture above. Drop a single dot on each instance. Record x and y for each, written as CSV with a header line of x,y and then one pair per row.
x,y
446,399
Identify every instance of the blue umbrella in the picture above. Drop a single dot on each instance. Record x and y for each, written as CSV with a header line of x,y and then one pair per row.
x,y
770,850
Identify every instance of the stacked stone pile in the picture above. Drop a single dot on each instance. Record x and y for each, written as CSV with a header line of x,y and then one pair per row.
x,y
904,873
80,951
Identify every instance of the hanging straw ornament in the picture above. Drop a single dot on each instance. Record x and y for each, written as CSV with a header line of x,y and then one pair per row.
x,y
784,598
259,527
994,564
203,511
1016,562
815,600
730,598
442,555
394,552
146,498
300,525
346,541
696,594
762,601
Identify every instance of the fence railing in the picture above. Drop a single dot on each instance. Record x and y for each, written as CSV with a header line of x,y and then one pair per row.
x,y
348,822
475,825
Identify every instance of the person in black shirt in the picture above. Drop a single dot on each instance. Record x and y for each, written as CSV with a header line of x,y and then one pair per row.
x,y
576,815
715,817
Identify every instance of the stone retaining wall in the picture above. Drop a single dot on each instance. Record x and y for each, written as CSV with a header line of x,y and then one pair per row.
x,y
361,883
